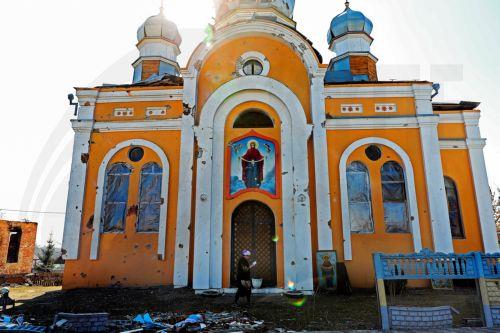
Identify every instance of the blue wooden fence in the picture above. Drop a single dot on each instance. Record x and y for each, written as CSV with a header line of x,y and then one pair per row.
x,y
428,265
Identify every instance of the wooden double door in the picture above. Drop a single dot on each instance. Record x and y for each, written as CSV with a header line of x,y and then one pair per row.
x,y
253,228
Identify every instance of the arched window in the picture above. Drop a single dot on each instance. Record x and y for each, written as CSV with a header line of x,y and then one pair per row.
x,y
14,245
115,199
457,230
253,119
150,198
359,194
394,196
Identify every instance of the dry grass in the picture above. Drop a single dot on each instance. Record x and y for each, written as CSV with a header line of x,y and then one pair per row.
x,y
323,312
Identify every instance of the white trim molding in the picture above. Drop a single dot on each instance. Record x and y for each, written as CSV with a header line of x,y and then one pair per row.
x,y
386,107
418,91
345,123
321,171
184,199
373,91
452,144
101,178
76,190
434,180
139,125
123,96
207,267
475,145
410,189
451,118
351,108
82,126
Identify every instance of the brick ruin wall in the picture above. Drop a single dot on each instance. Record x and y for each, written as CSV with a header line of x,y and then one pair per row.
x,y
493,288
422,318
26,250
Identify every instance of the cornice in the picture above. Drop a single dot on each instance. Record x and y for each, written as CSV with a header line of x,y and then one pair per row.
x,y
119,96
133,126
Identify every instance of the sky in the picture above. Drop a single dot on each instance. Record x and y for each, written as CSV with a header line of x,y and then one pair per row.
x,y
51,46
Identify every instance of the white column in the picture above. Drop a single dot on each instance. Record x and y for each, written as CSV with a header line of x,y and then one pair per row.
x,y
475,145
76,192
436,191
183,230
323,207
302,210
201,264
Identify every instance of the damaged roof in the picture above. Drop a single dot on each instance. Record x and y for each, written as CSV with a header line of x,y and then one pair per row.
x,y
460,106
165,80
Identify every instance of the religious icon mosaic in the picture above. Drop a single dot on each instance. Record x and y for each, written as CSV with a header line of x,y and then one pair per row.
x,y
326,262
252,165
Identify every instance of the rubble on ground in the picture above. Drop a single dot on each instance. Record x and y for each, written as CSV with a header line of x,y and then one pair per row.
x,y
235,321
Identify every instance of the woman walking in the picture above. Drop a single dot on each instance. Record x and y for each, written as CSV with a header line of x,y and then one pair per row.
x,y
243,277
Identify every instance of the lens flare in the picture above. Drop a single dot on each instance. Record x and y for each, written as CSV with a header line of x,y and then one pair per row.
x,y
276,239
291,285
209,35
298,303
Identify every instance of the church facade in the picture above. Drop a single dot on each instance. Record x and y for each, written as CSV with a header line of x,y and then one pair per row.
x,y
258,144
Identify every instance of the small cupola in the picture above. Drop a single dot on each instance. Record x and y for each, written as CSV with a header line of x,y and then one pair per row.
x,y
158,44
349,38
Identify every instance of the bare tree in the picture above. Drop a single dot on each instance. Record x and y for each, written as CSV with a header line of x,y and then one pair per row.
x,y
495,198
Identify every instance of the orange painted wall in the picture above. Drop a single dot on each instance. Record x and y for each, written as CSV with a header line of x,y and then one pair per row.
x,y
231,204
451,131
466,196
405,106
105,111
219,66
130,258
360,269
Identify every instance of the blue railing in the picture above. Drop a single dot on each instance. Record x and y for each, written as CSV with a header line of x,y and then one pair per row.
x,y
491,265
426,265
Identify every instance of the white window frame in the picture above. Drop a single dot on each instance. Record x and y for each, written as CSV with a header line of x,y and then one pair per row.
x,y
410,187
253,55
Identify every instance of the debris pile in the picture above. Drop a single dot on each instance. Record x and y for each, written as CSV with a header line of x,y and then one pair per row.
x,y
8,323
200,322
206,322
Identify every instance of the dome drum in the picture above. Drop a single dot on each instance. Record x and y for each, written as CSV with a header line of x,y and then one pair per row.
x,y
224,6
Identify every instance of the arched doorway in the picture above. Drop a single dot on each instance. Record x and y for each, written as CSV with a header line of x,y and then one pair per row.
x,y
253,228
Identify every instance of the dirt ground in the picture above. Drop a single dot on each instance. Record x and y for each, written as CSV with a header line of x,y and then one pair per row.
x,y
322,312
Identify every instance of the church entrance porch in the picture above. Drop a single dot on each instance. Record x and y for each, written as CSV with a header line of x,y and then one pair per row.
x,y
253,228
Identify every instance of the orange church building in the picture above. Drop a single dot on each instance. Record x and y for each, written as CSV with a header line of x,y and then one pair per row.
x,y
258,144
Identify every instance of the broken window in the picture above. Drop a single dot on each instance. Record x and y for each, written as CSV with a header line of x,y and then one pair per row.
x,y
394,195
359,194
115,202
14,245
150,198
253,119
457,230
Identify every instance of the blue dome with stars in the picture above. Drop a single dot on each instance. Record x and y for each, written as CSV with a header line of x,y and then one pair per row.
x,y
349,21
